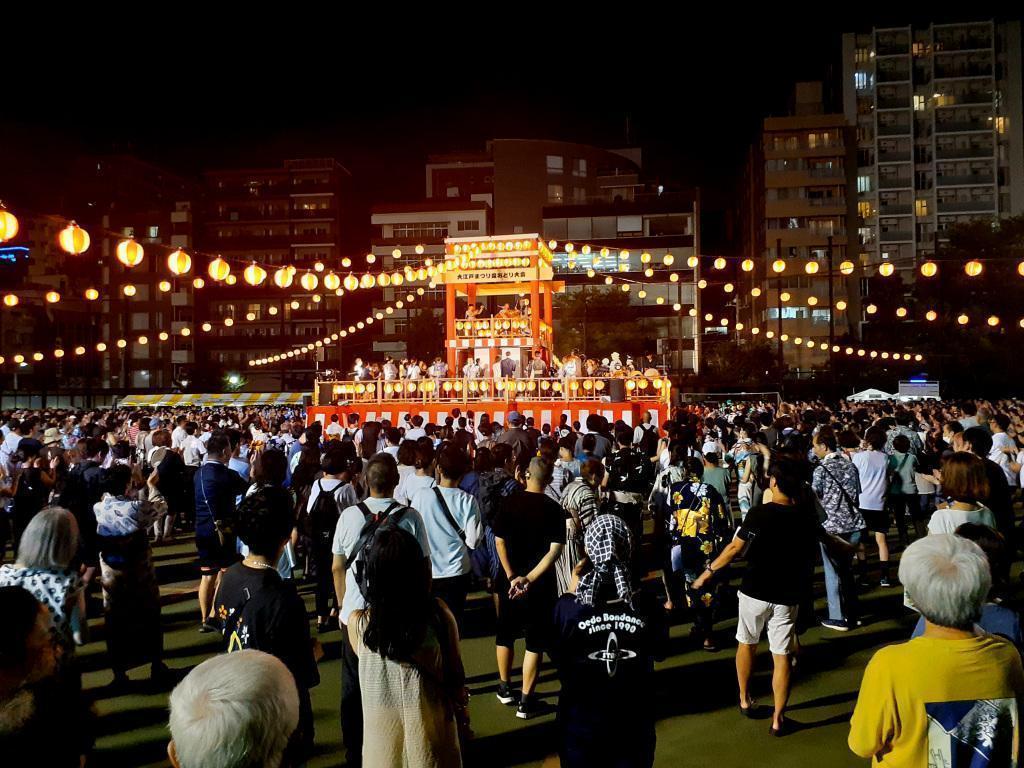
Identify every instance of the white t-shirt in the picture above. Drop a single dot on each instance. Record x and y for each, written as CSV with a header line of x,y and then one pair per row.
x,y
346,537
345,494
948,520
873,469
178,436
449,557
409,484
192,451
1000,441
334,428
415,433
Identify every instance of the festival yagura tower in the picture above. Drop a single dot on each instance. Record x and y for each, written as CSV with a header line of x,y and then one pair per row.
x,y
517,266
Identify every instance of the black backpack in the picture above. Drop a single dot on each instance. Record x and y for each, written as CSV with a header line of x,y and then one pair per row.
x,y
649,442
323,517
391,517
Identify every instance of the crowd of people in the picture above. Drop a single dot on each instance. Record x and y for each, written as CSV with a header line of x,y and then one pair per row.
x,y
587,540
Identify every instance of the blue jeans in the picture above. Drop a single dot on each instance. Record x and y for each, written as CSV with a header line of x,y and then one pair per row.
x,y
840,585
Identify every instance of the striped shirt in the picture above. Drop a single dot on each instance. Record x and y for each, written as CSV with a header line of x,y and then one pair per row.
x,y
580,501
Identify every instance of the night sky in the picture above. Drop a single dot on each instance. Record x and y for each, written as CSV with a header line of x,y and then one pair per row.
x,y
689,91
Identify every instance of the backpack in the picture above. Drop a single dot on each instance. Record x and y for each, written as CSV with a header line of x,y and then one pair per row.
x,y
348,435
323,517
391,516
491,489
649,442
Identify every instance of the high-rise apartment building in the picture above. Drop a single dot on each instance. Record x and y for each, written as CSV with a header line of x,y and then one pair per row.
x,y
295,214
797,202
938,118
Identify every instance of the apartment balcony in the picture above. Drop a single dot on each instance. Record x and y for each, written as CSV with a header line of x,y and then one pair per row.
x,y
802,177
803,206
943,180
953,72
248,242
319,213
895,182
963,126
895,75
896,236
307,187
805,236
312,238
967,206
957,153
895,130
895,209
893,103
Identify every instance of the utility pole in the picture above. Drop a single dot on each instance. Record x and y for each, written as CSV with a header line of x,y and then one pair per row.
x,y
778,304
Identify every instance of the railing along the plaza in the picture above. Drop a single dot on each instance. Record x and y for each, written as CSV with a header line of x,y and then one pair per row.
x,y
633,388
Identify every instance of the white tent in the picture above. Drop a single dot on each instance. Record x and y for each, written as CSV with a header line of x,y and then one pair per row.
x,y
868,395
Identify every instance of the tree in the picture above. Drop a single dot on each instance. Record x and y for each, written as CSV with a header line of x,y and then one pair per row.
x,y
597,321
425,335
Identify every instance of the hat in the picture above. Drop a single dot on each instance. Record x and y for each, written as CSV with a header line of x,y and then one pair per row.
x,y
514,417
52,436
154,423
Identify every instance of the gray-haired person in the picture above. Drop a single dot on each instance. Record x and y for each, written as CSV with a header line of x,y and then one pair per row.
x,y
953,695
43,567
233,711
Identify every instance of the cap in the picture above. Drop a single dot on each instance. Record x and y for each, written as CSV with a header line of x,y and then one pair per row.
x,y
514,417
154,423
52,436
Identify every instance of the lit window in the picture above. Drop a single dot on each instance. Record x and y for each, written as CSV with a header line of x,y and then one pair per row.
x,y
556,164
129,231
864,209
860,81
579,167
154,231
793,223
1000,124
919,102
921,206
555,193
863,183
452,192
861,56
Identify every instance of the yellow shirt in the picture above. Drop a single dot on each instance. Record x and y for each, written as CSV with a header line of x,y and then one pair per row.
x,y
940,702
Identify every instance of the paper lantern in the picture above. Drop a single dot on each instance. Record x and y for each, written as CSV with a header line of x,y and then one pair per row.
x,y
755,291
91,294
963,319
199,283
228,322
901,312
179,262
52,297
73,239
811,267
309,281
420,249
931,315
79,350
218,270
719,263
885,269
164,286
368,281
319,267
129,290
121,343
840,305
332,282
143,340
993,321
929,269
871,309
747,265
37,356
207,327
283,277
692,262
351,282
778,265
231,280
973,268
130,253
254,274
8,225
164,336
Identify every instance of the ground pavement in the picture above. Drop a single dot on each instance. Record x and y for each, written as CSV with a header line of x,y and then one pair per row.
x,y
695,691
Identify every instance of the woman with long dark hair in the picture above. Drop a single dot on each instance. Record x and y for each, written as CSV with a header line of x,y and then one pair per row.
x,y
408,648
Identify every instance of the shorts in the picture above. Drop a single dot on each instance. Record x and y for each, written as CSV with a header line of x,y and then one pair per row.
x,y
876,520
214,556
531,617
781,621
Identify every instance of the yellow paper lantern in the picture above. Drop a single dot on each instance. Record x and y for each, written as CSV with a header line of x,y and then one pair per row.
x,y
871,309
901,312
332,282
963,319
993,321
254,274
885,269
785,296
130,253
164,286
228,322
728,287
973,268
747,265
811,267
755,291
283,277
186,331
719,263
309,281
840,305
79,350
778,265
199,283
52,297
319,266
692,262
351,282
272,310
218,270
37,356
101,347
92,294
931,315
294,305
929,269
143,340
179,262
367,281
846,268
73,239
8,225
19,359
207,327
812,301
674,277
164,336
121,343
129,290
